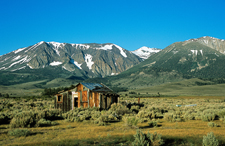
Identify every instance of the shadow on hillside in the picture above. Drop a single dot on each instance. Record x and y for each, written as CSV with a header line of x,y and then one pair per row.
x,y
113,121
145,127
3,128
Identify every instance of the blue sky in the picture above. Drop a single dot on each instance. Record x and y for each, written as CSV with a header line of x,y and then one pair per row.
x,y
130,24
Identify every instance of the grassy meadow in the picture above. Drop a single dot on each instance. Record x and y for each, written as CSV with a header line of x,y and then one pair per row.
x,y
185,125
189,87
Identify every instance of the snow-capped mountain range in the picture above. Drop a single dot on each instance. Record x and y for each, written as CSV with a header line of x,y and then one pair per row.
x,y
202,57
93,60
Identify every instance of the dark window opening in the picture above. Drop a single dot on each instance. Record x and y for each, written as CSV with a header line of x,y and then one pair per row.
x,y
59,98
75,102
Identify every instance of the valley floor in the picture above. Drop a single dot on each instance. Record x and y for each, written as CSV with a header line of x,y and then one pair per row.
x,y
183,132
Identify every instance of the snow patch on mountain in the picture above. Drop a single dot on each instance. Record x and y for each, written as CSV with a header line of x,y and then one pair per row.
x,y
110,47
2,68
55,63
30,66
201,52
121,51
175,52
76,63
112,74
106,47
19,50
195,52
88,60
25,59
16,58
65,68
35,46
81,46
56,46
145,52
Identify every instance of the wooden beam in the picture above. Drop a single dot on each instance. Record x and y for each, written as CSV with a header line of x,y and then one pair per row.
x,y
99,100
88,97
81,102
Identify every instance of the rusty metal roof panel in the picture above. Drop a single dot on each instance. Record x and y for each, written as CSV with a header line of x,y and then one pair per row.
x,y
92,86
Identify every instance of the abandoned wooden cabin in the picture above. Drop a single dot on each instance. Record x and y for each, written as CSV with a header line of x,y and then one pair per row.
x,y
86,95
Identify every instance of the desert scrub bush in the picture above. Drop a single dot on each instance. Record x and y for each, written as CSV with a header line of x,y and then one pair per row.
x,y
135,108
221,113
52,114
23,119
19,132
101,121
146,114
131,121
212,124
153,124
155,139
119,109
31,118
44,122
141,139
81,114
208,117
189,116
105,117
210,140
172,117
158,109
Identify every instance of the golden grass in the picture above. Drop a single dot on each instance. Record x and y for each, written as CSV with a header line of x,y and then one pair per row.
x,y
86,130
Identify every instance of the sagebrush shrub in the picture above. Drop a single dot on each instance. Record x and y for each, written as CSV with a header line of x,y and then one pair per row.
x,y
212,124
156,139
19,132
141,139
135,108
31,118
153,124
144,114
208,117
119,109
23,119
171,117
210,140
131,121
221,113
98,117
44,122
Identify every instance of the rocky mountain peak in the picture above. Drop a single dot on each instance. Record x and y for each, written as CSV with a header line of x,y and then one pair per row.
x,y
212,42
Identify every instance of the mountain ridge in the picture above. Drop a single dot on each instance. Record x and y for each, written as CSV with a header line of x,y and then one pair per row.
x,y
92,59
178,61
